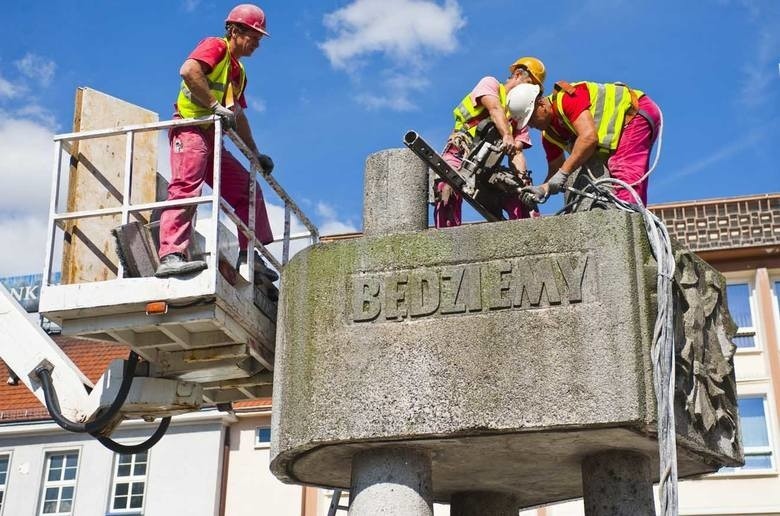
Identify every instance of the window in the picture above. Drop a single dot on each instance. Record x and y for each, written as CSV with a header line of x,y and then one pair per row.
x,y
129,483
739,298
4,460
755,435
59,486
777,296
262,436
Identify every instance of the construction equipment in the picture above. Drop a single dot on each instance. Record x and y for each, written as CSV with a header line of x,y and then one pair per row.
x,y
482,179
205,337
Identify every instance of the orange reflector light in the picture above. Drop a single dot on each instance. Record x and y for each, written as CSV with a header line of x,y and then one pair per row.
x,y
156,308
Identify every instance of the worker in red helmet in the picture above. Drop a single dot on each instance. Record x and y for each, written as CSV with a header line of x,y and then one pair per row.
x,y
508,105
213,83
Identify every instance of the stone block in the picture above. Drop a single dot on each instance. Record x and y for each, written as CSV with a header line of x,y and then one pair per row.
x,y
510,351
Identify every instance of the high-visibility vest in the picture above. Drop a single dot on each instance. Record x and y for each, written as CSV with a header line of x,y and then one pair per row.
x,y
469,114
609,104
219,84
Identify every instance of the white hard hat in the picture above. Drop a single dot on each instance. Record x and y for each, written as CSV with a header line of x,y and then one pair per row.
x,y
521,100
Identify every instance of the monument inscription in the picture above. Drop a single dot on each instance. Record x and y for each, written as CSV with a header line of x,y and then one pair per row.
x,y
521,283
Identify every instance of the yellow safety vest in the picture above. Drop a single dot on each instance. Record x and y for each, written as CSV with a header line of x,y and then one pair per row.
x,y
219,84
609,104
469,114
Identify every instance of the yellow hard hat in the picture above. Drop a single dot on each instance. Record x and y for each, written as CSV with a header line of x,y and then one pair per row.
x,y
534,66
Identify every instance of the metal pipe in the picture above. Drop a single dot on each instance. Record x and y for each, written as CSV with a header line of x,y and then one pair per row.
x,y
53,199
255,165
127,191
216,186
138,207
286,238
230,212
138,128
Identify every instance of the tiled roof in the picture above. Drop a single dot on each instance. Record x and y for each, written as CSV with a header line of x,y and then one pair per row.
x,y
249,405
17,403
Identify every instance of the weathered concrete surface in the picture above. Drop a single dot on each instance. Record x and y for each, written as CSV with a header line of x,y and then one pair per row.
x,y
481,503
391,481
509,350
617,483
394,192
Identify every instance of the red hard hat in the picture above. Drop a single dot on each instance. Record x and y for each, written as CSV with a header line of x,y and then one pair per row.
x,y
249,15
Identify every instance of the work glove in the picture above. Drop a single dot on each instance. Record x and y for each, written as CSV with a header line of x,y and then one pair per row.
x,y
557,182
228,117
266,163
533,195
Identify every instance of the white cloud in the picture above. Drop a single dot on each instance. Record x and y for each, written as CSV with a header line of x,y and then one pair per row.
x,y
759,74
36,67
397,94
331,223
258,105
190,5
8,89
26,236
712,159
26,147
402,30
404,34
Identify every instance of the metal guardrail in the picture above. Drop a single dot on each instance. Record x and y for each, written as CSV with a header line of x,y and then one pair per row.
x,y
57,219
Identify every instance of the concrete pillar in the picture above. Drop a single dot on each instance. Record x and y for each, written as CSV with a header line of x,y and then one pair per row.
x,y
617,483
391,481
480,503
395,193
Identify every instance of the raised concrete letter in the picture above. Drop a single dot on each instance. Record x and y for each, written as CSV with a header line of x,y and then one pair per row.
x,y
423,293
365,298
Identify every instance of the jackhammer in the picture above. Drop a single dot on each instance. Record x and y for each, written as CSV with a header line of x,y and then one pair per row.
x,y
482,179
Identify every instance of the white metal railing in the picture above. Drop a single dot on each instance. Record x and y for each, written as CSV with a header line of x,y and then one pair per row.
x,y
57,219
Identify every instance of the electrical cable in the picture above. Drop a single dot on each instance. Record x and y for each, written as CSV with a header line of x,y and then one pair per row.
x,y
663,347
53,403
129,449
103,420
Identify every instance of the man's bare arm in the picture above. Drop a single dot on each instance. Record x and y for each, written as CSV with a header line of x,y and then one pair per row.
x,y
584,145
194,74
498,115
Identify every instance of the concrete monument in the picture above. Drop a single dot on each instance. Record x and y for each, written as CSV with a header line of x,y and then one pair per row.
x,y
492,366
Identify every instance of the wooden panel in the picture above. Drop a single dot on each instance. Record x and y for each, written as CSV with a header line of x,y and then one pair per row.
x,y
96,181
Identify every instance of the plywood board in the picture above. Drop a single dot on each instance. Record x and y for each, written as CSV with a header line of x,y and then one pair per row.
x,y
96,181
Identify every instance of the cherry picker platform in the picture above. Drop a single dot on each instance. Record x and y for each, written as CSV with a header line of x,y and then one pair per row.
x,y
206,337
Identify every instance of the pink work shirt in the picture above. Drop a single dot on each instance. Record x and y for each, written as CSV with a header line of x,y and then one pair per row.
x,y
490,86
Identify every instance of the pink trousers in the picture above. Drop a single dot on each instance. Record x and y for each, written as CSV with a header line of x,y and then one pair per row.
x,y
631,159
192,163
449,214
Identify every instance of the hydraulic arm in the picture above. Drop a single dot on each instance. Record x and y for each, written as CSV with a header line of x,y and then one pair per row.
x,y
72,400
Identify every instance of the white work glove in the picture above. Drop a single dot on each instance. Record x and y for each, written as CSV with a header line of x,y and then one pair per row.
x,y
228,117
557,182
266,163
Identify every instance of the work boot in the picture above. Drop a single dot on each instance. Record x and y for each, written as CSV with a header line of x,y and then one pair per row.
x,y
175,264
261,269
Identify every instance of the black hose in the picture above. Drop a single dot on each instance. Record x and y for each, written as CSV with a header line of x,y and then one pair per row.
x,y
53,403
135,448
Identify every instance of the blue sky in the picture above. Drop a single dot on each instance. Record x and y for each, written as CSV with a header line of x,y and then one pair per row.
x,y
340,79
